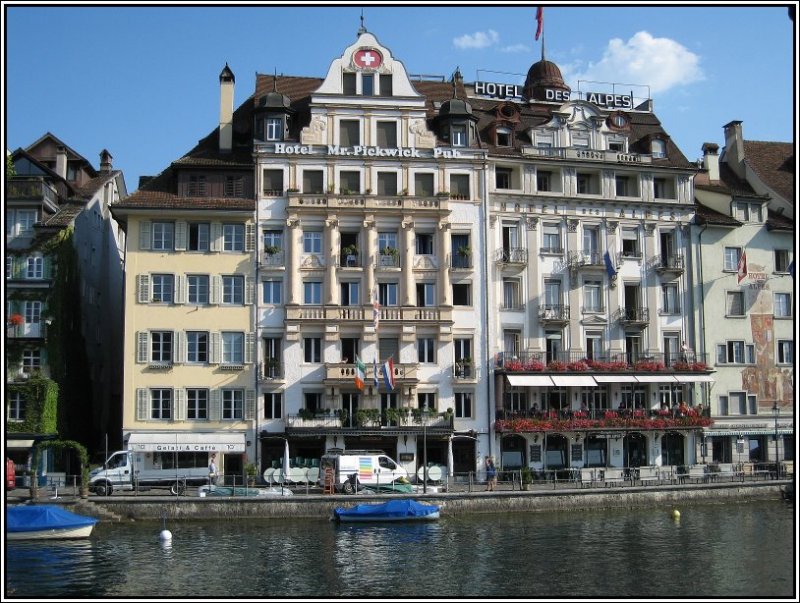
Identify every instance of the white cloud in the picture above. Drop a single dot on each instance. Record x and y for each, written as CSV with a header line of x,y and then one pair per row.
x,y
516,48
479,39
661,63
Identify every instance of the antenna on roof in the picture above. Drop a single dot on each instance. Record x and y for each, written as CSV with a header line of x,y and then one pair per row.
x,y
362,29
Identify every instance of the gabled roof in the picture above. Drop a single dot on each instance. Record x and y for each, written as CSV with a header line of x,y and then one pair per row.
x,y
776,221
65,215
728,184
70,151
705,215
88,190
773,162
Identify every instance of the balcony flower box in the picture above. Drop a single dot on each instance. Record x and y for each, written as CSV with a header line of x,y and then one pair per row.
x,y
16,320
579,366
534,365
597,365
557,365
649,366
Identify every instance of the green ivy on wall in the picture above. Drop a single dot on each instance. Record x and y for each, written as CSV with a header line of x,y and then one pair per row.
x,y
41,405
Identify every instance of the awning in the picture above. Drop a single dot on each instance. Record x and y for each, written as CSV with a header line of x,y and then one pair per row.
x,y
615,378
19,443
574,380
529,380
187,442
744,432
694,379
655,378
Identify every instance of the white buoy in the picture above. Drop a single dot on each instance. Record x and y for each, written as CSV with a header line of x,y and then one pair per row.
x,y
165,536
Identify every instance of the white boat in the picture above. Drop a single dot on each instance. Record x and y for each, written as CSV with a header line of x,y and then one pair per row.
x,y
46,522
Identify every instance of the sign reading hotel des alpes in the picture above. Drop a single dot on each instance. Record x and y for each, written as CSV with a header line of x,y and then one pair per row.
x,y
282,148
601,99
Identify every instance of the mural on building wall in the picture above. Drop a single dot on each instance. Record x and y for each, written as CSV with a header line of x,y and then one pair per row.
x,y
766,380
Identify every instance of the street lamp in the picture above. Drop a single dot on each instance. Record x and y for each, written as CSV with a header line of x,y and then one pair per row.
x,y
776,411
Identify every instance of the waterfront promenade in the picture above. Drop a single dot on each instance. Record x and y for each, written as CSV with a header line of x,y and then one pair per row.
x,y
311,503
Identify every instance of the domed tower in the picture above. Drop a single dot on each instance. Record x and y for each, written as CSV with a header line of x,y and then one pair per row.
x,y
545,83
455,120
272,114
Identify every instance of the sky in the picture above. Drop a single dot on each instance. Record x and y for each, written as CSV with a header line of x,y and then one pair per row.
x,y
143,81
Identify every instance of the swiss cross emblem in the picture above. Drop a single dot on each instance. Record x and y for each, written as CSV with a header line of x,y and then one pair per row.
x,y
366,58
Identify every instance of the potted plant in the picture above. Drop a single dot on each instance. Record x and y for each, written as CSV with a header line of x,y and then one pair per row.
x,y
293,190
251,470
526,477
271,249
351,254
465,251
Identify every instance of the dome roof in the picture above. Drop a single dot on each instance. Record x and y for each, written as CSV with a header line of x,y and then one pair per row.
x,y
543,74
274,100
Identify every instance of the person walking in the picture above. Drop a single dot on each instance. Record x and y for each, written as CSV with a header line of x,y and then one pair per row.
x,y
212,470
491,474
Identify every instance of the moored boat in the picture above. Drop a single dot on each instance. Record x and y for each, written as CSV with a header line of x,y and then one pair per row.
x,y
43,522
393,510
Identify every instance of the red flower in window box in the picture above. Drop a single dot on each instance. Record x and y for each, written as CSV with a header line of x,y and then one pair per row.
x,y
16,320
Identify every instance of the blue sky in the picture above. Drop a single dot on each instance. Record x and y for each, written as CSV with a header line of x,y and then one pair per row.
x,y
143,81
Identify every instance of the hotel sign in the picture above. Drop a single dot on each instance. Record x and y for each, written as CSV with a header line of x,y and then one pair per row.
x,y
282,148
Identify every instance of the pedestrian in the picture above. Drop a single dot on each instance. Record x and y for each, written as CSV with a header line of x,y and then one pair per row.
x,y
491,474
212,470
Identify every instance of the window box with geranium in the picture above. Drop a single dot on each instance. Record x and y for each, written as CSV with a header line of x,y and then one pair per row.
x,y
15,320
557,365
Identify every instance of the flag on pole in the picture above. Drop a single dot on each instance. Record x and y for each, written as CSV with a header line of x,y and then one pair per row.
x,y
741,268
375,381
376,309
612,272
361,371
388,374
539,22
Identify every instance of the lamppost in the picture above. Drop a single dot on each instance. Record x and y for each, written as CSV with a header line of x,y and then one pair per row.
x,y
776,411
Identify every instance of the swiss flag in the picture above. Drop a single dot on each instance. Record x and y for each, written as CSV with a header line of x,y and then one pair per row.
x,y
539,22
741,268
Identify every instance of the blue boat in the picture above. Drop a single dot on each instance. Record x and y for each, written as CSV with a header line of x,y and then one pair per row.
x,y
394,510
41,522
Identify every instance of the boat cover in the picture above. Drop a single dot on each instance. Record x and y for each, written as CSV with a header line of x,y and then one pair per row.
x,y
394,509
33,518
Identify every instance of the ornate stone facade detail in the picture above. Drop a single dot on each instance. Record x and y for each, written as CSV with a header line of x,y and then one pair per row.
x,y
424,138
611,225
531,222
293,222
649,229
314,133
572,225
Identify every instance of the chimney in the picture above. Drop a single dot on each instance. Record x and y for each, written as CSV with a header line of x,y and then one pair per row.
x,y
105,161
226,82
711,160
734,147
61,161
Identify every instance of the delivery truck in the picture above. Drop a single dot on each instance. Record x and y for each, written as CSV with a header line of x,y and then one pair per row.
x,y
129,470
370,468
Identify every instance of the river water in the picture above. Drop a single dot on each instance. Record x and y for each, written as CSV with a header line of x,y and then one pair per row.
x,y
744,549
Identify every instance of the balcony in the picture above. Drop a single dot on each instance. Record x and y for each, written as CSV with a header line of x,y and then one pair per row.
x,y
419,205
344,374
273,260
586,260
388,260
350,260
459,261
363,314
370,420
602,362
511,257
464,370
671,265
633,317
30,189
270,370
26,330
554,314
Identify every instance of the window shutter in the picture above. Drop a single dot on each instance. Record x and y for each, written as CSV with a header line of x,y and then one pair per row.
x,y
215,290
143,285
216,236
180,289
145,235
721,354
250,404
179,404
250,237
249,347
249,291
179,351
142,409
180,236
213,406
142,346
47,267
216,348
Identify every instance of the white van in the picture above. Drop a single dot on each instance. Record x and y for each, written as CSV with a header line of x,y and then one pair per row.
x,y
370,467
126,470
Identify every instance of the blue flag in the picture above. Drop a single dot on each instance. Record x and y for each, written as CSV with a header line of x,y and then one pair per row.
x,y
612,272
375,371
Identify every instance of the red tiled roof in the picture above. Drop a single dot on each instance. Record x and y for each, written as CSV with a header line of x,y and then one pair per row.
x,y
147,199
705,215
773,162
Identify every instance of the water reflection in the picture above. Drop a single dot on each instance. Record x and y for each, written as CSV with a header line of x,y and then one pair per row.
x,y
743,549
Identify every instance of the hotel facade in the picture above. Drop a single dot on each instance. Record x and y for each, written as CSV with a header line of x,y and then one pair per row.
x,y
434,269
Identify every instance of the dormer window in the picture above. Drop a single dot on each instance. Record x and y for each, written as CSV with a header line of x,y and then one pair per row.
x,y
274,128
503,137
458,135
748,212
658,148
